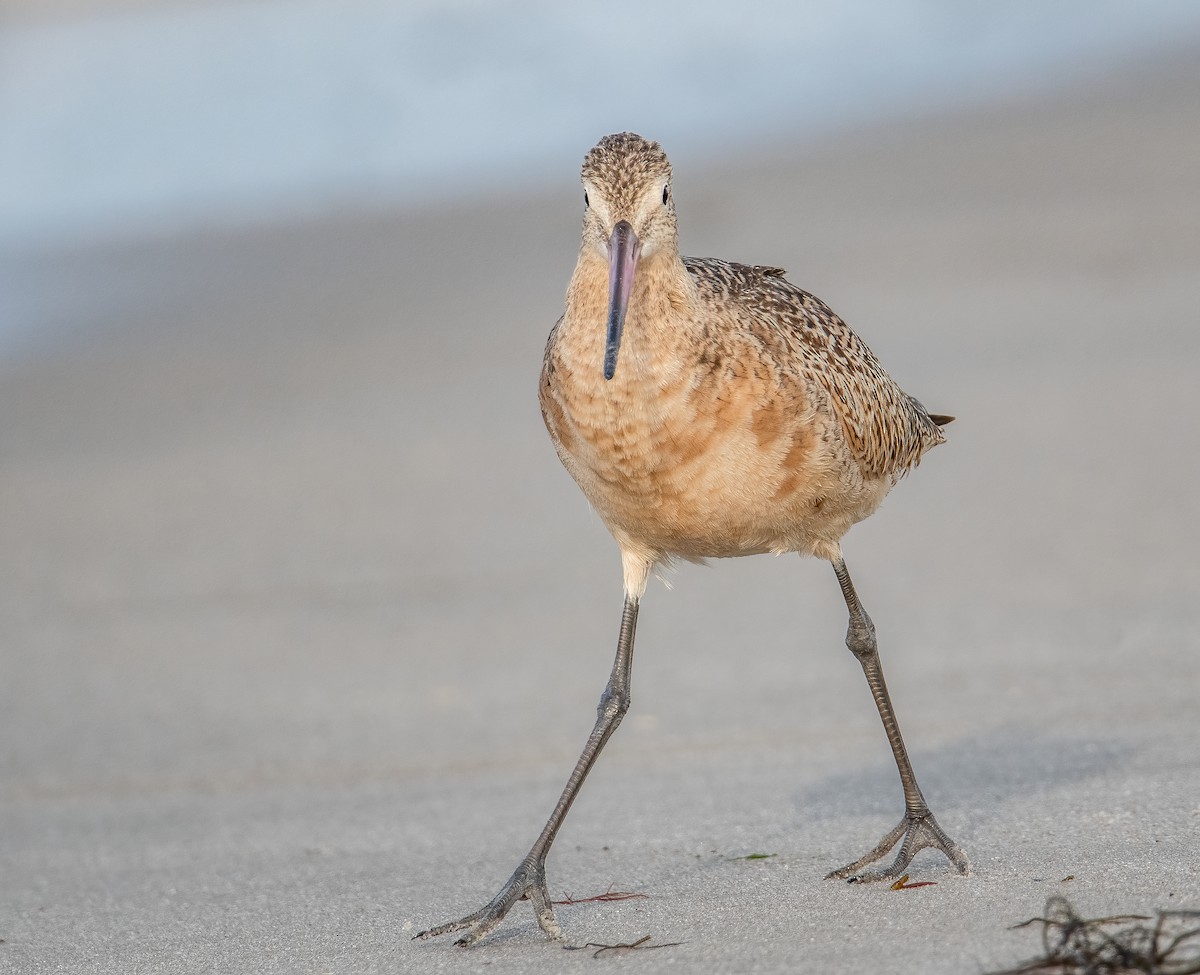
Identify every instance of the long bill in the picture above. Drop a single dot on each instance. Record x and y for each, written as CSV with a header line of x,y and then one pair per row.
x,y
623,250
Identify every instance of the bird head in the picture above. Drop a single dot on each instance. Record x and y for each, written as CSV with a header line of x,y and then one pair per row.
x,y
629,216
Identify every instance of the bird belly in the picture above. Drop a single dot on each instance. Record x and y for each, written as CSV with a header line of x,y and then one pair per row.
x,y
729,504
697,469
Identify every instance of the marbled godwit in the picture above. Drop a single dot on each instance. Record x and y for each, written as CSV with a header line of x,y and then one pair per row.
x,y
745,417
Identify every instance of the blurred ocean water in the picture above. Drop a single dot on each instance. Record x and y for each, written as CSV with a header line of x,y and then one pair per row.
x,y
173,116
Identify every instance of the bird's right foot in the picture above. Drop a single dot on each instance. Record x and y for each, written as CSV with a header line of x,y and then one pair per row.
x,y
528,883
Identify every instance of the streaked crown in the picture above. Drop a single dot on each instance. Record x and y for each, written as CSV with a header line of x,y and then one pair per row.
x,y
625,157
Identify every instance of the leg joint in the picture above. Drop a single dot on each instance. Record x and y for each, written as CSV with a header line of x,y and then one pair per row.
x,y
860,636
614,702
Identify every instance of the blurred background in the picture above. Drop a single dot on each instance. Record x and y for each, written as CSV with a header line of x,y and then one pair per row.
x,y
301,621
123,120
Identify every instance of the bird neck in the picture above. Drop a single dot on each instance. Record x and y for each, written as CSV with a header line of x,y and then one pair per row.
x,y
657,321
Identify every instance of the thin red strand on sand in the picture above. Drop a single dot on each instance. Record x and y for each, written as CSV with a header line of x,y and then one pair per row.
x,y
903,884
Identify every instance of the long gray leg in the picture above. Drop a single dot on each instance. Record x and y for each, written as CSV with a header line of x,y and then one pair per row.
x,y
529,879
918,827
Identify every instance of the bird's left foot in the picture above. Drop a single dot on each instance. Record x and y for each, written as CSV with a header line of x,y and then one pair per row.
x,y
919,833
527,883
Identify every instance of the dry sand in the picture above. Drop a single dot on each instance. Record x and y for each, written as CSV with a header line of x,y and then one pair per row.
x,y
303,625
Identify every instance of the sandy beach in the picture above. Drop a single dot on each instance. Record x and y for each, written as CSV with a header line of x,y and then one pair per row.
x,y
302,624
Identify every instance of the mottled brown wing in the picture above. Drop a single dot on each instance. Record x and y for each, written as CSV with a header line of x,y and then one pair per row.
x,y
886,430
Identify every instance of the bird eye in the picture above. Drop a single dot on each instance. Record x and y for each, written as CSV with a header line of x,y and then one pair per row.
x,y
666,193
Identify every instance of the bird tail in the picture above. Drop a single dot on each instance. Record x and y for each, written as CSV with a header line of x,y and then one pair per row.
x,y
938,419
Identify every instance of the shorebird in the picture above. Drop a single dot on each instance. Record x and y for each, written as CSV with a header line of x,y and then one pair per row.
x,y
709,409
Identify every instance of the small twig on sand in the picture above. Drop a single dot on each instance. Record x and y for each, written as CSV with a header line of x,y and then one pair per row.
x,y
631,946
608,895
1075,946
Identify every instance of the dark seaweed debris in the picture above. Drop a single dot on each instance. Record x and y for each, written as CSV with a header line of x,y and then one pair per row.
x,y
1128,944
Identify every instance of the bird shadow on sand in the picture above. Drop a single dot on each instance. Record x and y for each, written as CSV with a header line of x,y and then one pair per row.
x,y
1008,763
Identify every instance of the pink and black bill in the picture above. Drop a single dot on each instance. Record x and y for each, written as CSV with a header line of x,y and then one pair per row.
x,y
623,249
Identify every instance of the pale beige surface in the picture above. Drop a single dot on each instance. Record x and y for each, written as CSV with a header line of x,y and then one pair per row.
x,y
303,624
